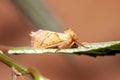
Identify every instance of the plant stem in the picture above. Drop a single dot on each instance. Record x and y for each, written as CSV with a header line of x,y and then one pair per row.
x,y
19,68
11,63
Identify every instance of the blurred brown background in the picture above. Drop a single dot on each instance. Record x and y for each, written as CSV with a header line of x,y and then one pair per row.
x,y
92,20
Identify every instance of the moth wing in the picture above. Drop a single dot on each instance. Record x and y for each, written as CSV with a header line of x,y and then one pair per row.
x,y
52,41
37,38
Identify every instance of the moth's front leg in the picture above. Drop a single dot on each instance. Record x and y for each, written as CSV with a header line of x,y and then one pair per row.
x,y
80,44
64,45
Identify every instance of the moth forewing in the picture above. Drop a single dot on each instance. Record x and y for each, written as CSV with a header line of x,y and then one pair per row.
x,y
38,38
47,39
52,41
44,39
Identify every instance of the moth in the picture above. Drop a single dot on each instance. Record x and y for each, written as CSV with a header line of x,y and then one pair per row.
x,y
43,39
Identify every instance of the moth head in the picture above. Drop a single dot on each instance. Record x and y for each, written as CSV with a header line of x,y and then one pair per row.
x,y
71,33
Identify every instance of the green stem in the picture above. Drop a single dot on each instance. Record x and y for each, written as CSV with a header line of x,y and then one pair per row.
x,y
19,68
11,63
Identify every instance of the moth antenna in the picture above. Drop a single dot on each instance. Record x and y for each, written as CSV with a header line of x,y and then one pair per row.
x,y
57,50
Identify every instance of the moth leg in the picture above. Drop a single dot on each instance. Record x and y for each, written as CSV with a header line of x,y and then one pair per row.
x,y
57,50
71,44
80,44
64,45
59,45
54,45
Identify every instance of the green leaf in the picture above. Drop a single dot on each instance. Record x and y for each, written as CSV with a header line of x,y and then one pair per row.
x,y
93,49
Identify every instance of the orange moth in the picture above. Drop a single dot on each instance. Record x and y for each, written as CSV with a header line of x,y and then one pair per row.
x,y
42,39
